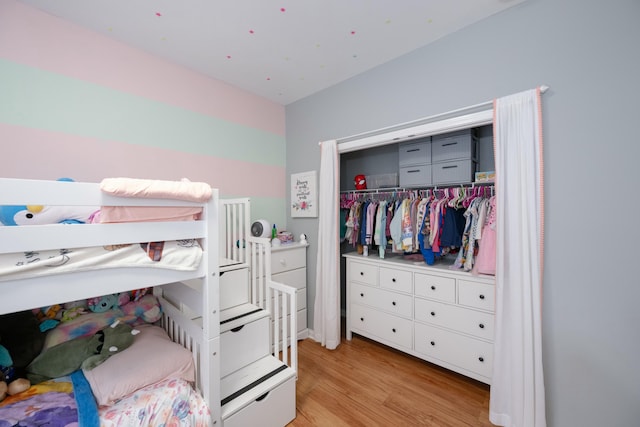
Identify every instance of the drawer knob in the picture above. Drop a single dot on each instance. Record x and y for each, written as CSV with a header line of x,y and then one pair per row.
x,y
433,288
393,303
394,330
393,280
433,313
361,294
283,262
362,273
433,343
481,359
481,325
362,319
481,296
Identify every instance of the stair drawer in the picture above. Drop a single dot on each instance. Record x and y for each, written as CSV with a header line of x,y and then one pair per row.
x,y
234,288
242,345
275,408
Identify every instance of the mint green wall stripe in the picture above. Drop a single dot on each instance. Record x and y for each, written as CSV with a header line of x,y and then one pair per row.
x,y
40,99
269,208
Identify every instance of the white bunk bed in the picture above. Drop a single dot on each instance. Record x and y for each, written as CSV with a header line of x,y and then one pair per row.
x,y
190,299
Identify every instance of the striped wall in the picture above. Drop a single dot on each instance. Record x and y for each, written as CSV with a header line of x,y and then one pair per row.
x,y
75,103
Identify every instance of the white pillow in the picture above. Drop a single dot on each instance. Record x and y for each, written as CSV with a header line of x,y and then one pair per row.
x,y
152,357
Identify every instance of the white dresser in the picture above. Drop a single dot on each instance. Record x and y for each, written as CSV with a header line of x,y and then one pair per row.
x,y
289,266
440,315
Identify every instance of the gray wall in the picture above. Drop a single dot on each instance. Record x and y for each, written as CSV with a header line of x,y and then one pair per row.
x,y
588,52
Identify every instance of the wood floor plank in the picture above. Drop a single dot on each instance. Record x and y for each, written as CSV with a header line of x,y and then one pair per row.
x,y
364,383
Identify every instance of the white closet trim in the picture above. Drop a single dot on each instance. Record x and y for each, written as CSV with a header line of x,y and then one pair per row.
x,y
463,118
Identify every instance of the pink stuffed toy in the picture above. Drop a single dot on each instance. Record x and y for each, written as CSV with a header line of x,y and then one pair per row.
x,y
146,308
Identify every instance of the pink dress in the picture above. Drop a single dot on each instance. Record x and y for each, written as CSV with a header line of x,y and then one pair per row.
x,y
486,258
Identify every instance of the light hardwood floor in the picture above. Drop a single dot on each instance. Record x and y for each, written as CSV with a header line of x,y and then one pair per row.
x,y
364,383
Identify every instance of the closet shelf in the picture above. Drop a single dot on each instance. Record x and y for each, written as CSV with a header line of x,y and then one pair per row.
x,y
429,187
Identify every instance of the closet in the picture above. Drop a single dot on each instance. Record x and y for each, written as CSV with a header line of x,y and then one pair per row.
x,y
429,305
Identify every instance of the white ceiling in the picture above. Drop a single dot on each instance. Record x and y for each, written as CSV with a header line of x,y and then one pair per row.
x,y
282,50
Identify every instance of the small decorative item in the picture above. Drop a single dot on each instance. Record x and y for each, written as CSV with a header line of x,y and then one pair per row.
x,y
303,239
304,195
360,181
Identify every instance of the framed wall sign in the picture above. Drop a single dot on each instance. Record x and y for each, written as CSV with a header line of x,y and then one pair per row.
x,y
304,195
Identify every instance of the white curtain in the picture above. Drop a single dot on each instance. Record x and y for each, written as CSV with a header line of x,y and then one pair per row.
x,y
326,320
517,387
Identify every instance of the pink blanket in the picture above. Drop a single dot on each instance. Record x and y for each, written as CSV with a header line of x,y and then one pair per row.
x,y
157,189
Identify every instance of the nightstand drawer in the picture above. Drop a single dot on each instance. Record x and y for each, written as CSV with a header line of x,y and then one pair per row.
x,y
296,278
288,259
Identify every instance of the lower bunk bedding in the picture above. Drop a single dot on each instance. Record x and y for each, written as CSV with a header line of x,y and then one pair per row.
x,y
100,369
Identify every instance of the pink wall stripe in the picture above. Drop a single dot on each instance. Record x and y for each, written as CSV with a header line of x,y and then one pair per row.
x,y
51,155
31,37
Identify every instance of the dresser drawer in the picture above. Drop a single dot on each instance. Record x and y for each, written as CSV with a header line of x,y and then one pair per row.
x,y
296,278
388,327
461,319
242,345
476,295
453,146
397,280
274,408
415,176
363,273
288,259
453,172
465,352
414,153
436,287
392,302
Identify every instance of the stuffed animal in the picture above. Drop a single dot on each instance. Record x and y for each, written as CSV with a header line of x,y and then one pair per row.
x,y
21,341
49,316
146,308
39,214
81,353
102,303
9,384
73,309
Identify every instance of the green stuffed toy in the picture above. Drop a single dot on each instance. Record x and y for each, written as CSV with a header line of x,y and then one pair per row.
x,y
80,353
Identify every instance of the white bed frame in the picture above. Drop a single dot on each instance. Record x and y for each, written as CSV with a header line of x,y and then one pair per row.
x,y
198,290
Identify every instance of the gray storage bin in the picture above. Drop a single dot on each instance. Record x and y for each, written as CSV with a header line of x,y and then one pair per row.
x,y
453,146
457,171
415,176
414,153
